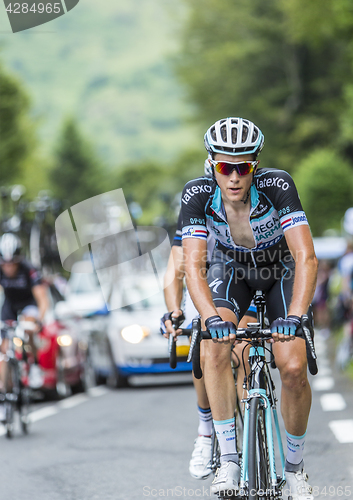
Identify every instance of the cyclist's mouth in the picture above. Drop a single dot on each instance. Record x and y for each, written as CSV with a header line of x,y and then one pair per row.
x,y
235,190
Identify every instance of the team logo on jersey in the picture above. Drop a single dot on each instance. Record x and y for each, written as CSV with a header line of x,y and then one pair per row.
x,y
260,209
190,192
295,219
194,232
215,284
273,181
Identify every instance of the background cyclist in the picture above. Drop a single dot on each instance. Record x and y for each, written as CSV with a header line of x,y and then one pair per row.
x,y
262,241
25,293
179,302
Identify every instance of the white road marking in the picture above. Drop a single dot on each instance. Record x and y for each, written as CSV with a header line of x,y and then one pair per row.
x,y
73,401
333,402
48,411
324,371
100,390
70,402
343,430
323,383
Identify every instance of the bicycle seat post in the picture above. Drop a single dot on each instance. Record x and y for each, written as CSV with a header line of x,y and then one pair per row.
x,y
260,302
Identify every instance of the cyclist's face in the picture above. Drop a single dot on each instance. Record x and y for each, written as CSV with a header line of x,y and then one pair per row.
x,y
9,269
233,186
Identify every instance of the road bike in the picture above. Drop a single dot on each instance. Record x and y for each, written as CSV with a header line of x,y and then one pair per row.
x,y
17,395
261,434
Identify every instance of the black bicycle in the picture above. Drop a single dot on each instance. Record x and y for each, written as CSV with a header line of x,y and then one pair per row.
x,y
17,395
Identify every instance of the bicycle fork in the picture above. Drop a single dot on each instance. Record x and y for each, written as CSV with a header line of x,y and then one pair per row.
x,y
270,410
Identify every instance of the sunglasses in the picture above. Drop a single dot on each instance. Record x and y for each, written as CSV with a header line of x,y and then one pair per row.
x,y
242,167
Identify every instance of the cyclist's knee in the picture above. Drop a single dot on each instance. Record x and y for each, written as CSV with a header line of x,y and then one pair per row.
x,y
217,355
294,374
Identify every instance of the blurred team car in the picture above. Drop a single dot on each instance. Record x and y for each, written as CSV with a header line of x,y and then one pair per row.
x,y
62,352
125,341
137,346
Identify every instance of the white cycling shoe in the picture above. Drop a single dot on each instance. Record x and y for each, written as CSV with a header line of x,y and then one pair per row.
x,y
226,481
201,458
297,487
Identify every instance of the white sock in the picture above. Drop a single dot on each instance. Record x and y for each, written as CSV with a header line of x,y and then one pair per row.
x,y
205,421
225,432
295,448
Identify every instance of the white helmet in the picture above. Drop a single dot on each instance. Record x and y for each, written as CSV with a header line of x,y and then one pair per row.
x,y
234,136
10,247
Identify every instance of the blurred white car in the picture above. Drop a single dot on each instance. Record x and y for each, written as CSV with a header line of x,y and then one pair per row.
x,y
137,346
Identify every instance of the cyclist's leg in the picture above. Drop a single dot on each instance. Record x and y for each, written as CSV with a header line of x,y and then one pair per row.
x,y
232,298
7,314
30,314
295,393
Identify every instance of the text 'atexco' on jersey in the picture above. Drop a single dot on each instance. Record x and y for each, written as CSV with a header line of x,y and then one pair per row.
x,y
275,208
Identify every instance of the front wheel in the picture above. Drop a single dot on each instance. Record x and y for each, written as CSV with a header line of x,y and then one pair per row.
x,y
258,458
25,404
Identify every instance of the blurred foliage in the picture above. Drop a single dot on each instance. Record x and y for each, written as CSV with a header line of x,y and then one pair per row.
x,y
16,130
77,173
325,183
155,185
109,67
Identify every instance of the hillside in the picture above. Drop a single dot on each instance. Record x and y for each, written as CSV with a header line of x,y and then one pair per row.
x,y
108,64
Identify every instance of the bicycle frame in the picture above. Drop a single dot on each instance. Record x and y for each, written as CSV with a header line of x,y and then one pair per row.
x,y
261,386
262,377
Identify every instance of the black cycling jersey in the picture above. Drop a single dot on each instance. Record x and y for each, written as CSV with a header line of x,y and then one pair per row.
x,y
18,290
275,208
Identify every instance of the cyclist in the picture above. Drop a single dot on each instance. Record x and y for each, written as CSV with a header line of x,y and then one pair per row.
x,y
173,293
263,241
25,294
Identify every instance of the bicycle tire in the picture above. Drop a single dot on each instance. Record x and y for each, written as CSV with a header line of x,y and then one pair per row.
x,y
258,458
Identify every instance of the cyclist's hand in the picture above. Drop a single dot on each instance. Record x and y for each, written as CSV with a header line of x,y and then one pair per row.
x,y
221,331
167,325
284,329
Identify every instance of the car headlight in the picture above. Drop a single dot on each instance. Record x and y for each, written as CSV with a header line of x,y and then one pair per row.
x,y
64,340
134,333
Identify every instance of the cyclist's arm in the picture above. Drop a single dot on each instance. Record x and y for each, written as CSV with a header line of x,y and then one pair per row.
x,y
40,294
301,246
173,279
195,257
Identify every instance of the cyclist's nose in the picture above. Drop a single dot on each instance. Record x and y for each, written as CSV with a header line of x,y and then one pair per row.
x,y
234,176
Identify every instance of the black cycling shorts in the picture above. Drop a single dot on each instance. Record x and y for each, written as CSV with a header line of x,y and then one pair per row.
x,y
233,285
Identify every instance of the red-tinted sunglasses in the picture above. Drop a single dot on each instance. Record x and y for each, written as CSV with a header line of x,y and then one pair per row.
x,y
242,167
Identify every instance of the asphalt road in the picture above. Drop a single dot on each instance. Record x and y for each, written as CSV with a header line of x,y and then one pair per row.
x,y
137,442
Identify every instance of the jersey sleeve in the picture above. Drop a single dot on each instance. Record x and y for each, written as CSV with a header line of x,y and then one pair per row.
x,y
35,277
280,188
194,198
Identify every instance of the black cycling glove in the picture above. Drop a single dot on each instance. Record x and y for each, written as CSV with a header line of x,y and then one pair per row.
x,y
287,326
168,316
219,328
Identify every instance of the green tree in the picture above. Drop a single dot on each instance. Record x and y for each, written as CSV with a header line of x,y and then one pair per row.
x,y
16,130
76,174
325,185
283,64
